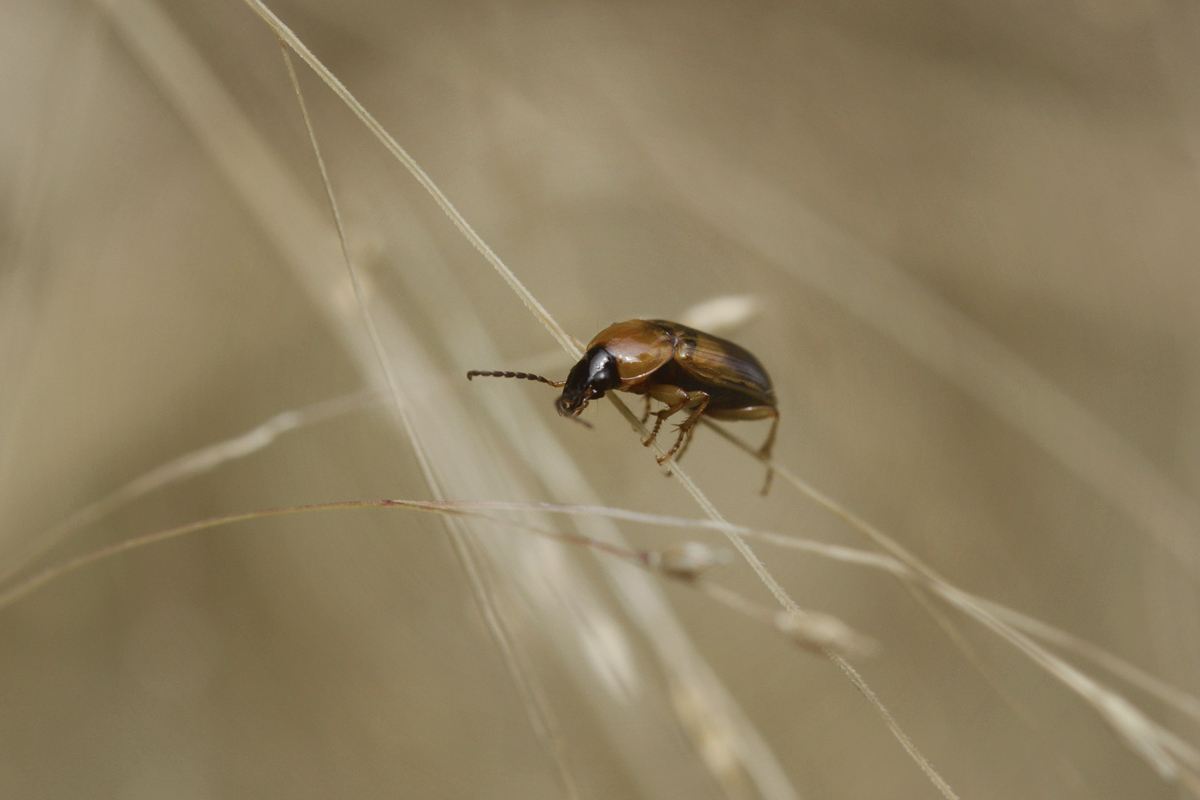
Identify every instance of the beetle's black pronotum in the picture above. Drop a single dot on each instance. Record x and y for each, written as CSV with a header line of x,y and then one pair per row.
x,y
688,370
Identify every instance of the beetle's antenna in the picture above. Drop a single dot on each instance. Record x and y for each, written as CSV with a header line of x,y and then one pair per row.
x,y
525,375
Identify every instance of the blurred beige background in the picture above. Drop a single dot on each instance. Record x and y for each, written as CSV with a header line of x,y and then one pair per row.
x,y
971,233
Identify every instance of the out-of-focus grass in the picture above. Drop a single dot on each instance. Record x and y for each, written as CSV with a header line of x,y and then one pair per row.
x,y
1028,166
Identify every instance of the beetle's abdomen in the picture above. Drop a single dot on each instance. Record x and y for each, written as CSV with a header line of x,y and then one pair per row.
x,y
725,364
730,374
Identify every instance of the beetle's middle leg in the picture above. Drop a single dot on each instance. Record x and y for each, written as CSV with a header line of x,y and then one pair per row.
x,y
697,402
686,442
662,416
677,400
646,416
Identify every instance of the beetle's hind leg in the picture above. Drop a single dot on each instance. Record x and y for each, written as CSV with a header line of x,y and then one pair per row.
x,y
756,412
764,453
646,416
687,440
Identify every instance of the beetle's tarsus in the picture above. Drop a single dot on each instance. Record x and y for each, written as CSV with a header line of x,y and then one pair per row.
x,y
654,433
767,483
674,448
764,453
687,442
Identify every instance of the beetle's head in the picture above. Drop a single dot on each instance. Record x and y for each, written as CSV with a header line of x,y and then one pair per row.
x,y
595,374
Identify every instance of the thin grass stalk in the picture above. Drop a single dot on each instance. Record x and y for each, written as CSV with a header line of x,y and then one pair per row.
x,y
298,230
573,348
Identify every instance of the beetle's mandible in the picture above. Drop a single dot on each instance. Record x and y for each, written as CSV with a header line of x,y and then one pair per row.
x,y
690,371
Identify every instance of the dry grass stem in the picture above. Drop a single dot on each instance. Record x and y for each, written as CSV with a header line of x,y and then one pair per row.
x,y
308,244
542,719
568,343
796,241
956,235
185,467
573,348
687,563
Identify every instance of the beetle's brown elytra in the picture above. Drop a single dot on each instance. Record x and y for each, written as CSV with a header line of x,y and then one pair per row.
x,y
688,370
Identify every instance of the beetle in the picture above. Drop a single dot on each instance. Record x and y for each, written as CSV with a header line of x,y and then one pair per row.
x,y
692,372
